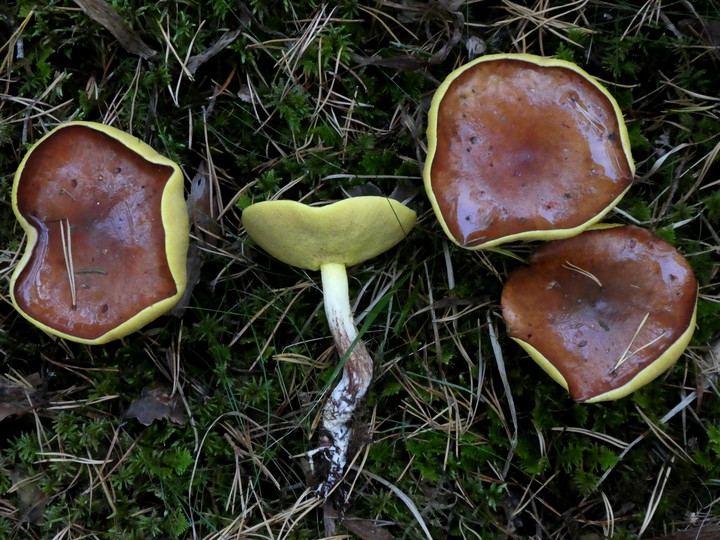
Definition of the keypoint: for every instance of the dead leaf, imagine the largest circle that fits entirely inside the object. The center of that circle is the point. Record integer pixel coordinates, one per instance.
(367, 189)
(414, 62)
(156, 403)
(706, 30)
(197, 60)
(103, 13)
(203, 233)
(19, 396)
(364, 529)
(32, 501)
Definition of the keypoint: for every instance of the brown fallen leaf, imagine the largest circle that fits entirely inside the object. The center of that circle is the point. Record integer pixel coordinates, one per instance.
(364, 529)
(203, 233)
(199, 59)
(103, 13)
(156, 403)
(19, 396)
(412, 62)
(706, 30)
(31, 500)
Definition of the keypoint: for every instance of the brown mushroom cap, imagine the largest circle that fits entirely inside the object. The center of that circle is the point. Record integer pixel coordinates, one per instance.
(107, 233)
(604, 312)
(522, 147)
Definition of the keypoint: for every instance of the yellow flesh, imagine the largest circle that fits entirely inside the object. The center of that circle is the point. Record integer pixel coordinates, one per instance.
(348, 232)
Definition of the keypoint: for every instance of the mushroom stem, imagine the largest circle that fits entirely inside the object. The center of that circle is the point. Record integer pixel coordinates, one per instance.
(356, 376)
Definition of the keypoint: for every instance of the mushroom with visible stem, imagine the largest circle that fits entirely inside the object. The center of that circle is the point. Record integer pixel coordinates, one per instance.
(329, 239)
(604, 312)
(107, 233)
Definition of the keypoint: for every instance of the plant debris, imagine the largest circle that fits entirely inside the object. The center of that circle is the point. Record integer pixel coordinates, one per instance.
(20, 395)
(157, 403)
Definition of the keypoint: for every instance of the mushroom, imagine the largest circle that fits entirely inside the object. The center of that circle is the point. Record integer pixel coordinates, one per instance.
(107, 233)
(604, 312)
(522, 147)
(329, 239)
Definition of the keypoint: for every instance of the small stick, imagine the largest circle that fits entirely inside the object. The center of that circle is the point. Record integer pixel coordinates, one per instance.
(625, 355)
(91, 270)
(570, 266)
(67, 253)
(64, 191)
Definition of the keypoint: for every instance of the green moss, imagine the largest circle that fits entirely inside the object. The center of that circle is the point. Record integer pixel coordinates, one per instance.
(311, 99)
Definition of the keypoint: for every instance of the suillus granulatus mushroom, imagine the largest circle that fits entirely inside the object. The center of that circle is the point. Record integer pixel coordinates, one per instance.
(604, 312)
(329, 239)
(107, 233)
(522, 147)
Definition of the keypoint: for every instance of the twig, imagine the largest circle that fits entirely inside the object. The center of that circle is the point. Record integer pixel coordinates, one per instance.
(67, 253)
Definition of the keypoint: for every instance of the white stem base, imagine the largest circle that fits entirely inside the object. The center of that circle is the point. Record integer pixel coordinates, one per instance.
(356, 376)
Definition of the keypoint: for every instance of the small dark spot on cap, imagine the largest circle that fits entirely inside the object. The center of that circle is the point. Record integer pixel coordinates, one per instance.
(104, 308)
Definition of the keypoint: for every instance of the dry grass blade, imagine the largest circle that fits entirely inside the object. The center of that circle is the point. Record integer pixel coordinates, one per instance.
(497, 350)
(649, 13)
(681, 406)
(522, 503)
(407, 501)
(609, 527)
(656, 496)
(590, 433)
(463, 435)
(66, 240)
(570, 266)
(625, 356)
(14, 42)
(286, 521)
(672, 446)
(544, 16)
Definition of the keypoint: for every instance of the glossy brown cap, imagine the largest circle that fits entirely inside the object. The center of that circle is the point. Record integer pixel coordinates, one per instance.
(107, 230)
(522, 147)
(604, 312)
